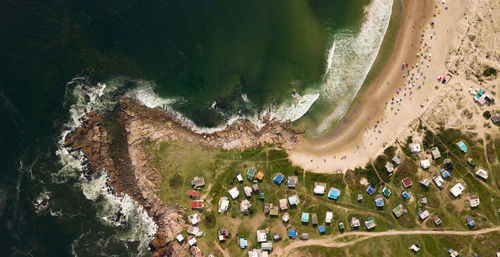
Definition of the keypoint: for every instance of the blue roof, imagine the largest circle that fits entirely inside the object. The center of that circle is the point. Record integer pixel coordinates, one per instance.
(379, 202)
(243, 242)
(371, 189)
(445, 174)
(334, 193)
(471, 222)
(278, 179)
(406, 195)
(291, 233)
(305, 217)
(462, 146)
(321, 229)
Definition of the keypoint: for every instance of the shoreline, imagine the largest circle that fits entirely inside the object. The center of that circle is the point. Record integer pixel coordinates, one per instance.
(349, 136)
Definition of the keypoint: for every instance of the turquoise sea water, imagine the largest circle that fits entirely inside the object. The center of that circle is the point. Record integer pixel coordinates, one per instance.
(212, 58)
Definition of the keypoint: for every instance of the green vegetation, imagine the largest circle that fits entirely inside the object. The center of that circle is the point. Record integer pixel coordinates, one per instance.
(490, 72)
(487, 115)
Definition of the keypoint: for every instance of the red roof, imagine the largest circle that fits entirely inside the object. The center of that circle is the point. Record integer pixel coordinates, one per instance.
(194, 194)
(197, 204)
(406, 182)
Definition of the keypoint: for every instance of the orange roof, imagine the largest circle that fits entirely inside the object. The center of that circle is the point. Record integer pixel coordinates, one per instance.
(260, 175)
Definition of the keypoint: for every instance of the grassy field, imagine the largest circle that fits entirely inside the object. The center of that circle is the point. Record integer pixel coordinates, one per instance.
(180, 162)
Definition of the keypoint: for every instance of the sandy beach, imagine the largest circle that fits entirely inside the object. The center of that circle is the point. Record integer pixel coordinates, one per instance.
(402, 91)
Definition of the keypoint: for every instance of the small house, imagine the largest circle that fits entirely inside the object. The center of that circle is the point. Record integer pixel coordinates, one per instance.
(474, 201)
(292, 181)
(197, 204)
(274, 211)
(223, 234)
(286, 217)
(276, 236)
(198, 182)
(239, 177)
(304, 236)
(414, 248)
(453, 253)
(437, 221)
(243, 243)
(223, 204)
(423, 214)
(415, 148)
(250, 173)
(389, 168)
(314, 219)
(379, 201)
(194, 219)
(245, 206)
(319, 188)
(255, 188)
(386, 191)
(195, 251)
(192, 241)
(370, 223)
(457, 189)
(471, 162)
(355, 223)
(399, 210)
(371, 189)
(234, 193)
(322, 229)
(278, 178)
(267, 208)
(406, 195)
(397, 160)
(248, 191)
(334, 193)
(305, 217)
(194, 194)
(291, 233)
(496, 118)
(406, 182)
(262, 195)
(360, 197)
(261, 236)
(260, 175)
(470, 222)
(438, 180)
(328, 217)
(179, 238)
(461, 145)
(283, 204)
(435, 153)
(425, 164)
(445, 173)
(194, 231)
(293, 200)
(341, 226)
(482, 173)
(423, 200)
(267, 246)
(425, 182)
(448, 165)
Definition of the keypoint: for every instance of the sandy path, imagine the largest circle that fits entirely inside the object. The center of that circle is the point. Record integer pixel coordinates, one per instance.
(355, 138)
(329, 242)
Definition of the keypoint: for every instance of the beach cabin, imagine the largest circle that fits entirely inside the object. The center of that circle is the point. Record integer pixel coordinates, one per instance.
(406, 182)
(286, 217)
(194, 194)
(261, 236)
(371, 189)
(355, 223)
(457, 189)
(198, 182)
(179, 238)
(314, 219)
(319, 188)
(234, 193)
(304, 236)
(399, 210)
(197, 204)
(291, 233)
(445, 173)
(192, 241)
(334, 193)
(262, 196)
(448, 165)
(245, 206)
(435, 153)
(283, 204)
(423, 214)
(406, 195)
(223, 204)
(397, 160)
(473, 201)
(255, 188)
(278, 178)
(250, 173)
(415, 148)
(223, 234)
(305, 218)
(425, 164)
(389, 168)
(461, 145)
(370, 223)
(379, 201)
(243, 243)
(322, 229)
(328, 217)
(292, 181)
(386, 191)
(437, 221)
(276, 237)
(482, 173)
(341, 226)
(438, 180)
(425, 182)
(260, 175)
(470, 222)
(268, 246)
(194, 219)
(293, 200)
(423, 200)
(239, 177)
(248, 191)
(274, 211)
(360, 197)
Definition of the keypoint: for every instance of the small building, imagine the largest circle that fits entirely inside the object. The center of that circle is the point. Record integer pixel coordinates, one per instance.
(406, 182)
(234, 193)
(179, 238)
(399, 210)
(305, 217)
(292, 181)
(437, 221)
(425, 164)
(223, 204)
(370, 223)
(425, 182)
(293, 200)
(197, 204)
(224, 234)
(243, 243)
(473, 201)
(445, 173)
(245, 206)
(379, 201)
(304, 236)
(470, 222)
(415, 148)
(278, 178)
(423, 214)
(360, 197)
(448, 165)
(250, 173)
(389, 168)
(255, 188)
(471, 162)
(355, 223)
(453, 253)
(457, 189)
(397, 160)
(322, 229)
(260, 175)
(291, 233)
(274, 211)
(386, 191)
(286, 217)
(341, 226)
(319, 188)
(438, 180)
(423, 200)
(406, 195)
(198, 182)
(461, 145)
(192, 241)
(267, 208)
(239, 177)
(194, 219)
(248, 191)
(334, 193)
(482, 173)
(496, 118)
(194, 231)
(414, 248)
(314, 219)
(371, 189)
(194, 194)
(261, 236)
(195, 251)
(283, 204)
(276, 236)
(328, 217)
(435, 153)
(267, 246)
(262, 195)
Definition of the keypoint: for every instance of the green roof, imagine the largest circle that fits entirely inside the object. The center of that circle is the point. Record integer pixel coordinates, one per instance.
(250, 173)
(261, 196)
(386, 192)
(399, 210)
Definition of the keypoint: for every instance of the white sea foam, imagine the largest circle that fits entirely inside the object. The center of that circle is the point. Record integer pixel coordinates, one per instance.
(352, 59)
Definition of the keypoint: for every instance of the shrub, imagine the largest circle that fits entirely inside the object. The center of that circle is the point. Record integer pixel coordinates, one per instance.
(487, 114)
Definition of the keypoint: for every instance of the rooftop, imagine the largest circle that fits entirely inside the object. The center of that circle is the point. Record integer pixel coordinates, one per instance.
(334, 193)
(457, 189)
(406, 182)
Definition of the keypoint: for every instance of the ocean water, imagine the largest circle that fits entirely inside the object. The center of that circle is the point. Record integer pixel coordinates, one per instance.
(207, 61)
